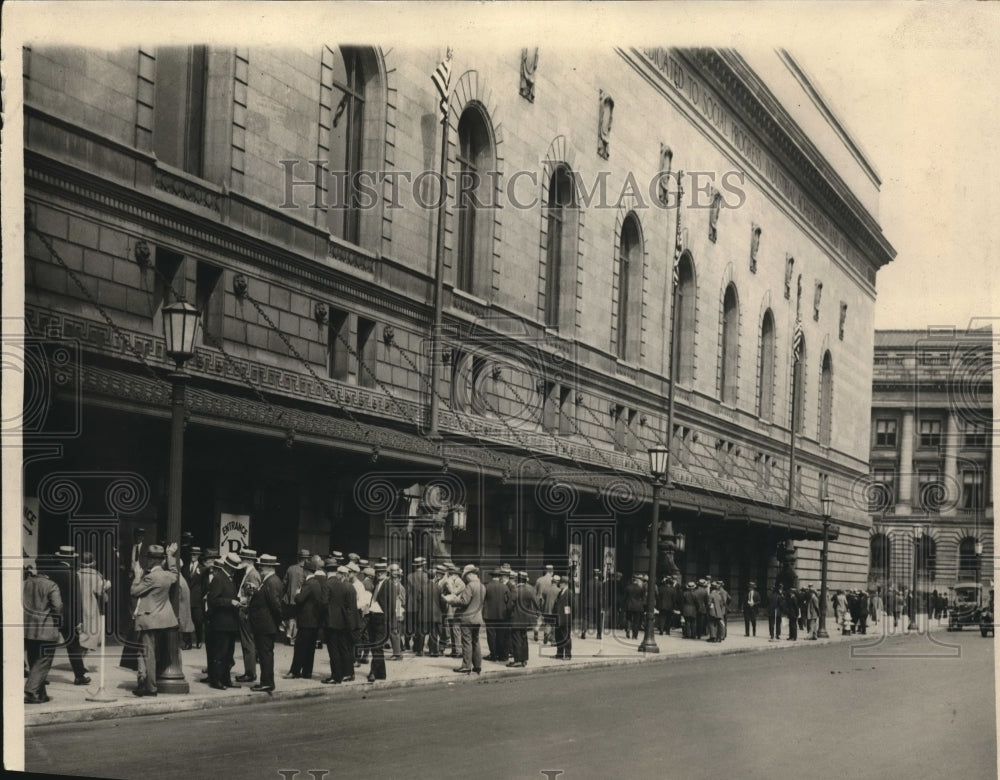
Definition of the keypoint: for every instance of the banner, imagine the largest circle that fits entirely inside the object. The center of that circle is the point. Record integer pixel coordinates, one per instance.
(234, 533)
(29, 531)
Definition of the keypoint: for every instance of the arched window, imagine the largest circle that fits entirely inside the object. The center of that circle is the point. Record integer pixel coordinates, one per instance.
(475, 165)
(967, 559)
(560, 219)
(798, 390)
(687, 295)
(729, 352)
(826, 400)
(347, 124)
(881, 555)
(629, 291)
(765, 389)
(926, 557)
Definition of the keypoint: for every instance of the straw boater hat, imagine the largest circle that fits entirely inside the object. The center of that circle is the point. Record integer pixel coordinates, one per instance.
(268, 560)
(304, 553)
(419, 561)
(248, 554)
(66, 551)
(352, 566)
(470, 568)
(230, 559)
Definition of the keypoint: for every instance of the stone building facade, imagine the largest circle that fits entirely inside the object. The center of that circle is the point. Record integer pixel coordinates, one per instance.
(214, 175)
(932, 457)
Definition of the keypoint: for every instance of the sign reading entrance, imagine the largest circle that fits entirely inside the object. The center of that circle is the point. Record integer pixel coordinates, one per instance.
(234, 533)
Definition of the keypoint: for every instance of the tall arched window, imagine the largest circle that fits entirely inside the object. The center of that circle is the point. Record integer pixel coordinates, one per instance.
(881, 552)
(561, 231)
(347, 135)
(798, 389)
(475, 164)
(765, 388)
(729, 352)
(826, 400)
(967, 559)
(686, 294)
(629, 292)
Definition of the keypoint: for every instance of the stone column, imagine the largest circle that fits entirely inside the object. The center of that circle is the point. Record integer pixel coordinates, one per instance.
(952, 488)
(904, 497)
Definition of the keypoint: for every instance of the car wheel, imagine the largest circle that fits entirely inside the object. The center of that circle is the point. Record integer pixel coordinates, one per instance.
(984, 632)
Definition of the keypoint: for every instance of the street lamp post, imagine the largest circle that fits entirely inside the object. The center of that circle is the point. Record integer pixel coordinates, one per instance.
(658, 470)
(827, 511)
(979, 572)
(180, 328)
(918, 533)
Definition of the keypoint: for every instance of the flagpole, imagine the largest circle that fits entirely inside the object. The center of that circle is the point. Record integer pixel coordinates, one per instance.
(436, 356)
(796, 371)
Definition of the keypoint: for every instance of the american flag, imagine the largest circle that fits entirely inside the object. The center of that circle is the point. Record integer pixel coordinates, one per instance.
(442, 81)
(798, 337)
(678, 241)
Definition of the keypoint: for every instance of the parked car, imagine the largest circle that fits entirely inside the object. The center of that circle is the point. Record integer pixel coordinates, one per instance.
(986, 626)
(965, 606)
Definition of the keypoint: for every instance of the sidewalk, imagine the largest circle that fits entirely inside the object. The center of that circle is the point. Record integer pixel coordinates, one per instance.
(68, 702)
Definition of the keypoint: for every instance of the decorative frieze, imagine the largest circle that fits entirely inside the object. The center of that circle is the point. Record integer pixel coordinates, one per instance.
(188, 190)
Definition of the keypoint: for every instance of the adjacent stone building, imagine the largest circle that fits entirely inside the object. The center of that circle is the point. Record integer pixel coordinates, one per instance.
(291, 195)
(932, 458)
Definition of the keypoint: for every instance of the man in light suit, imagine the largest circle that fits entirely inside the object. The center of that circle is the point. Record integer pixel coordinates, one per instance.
(295, 575)
(248, 586)
(469, 612)
(153, 613)
(42, 612)
(751, 603)
(542, 584)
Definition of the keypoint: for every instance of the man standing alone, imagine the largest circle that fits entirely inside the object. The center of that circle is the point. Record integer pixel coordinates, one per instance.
(751, 602)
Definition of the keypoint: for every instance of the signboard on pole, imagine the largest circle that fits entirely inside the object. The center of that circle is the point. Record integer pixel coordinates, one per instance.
(234, 533)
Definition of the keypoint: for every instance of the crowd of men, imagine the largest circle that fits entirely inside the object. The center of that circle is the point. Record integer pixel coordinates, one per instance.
(359, 610)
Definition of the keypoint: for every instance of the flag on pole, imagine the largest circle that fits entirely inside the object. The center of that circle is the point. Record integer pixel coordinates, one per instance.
(442, 81)
(798, 337)
(678, 241)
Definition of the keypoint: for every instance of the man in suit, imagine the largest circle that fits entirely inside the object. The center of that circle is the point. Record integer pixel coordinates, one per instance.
(153, 613)
(452, 585)
(542, 587)
(811, 608)
(564, 619)
(469, 612)
(295, 575)
(774, 612)
(791, 608)
(42, 612)
(64, 575)
(225, 622)
(193, 572)
(751, 603)
(495, 610)
(430, 611)
(634, 606)
(263, 613)
(716, 606)
(416, 621)
(249, 584)
(689, 611)
(207, 575)
(310, 608)
(380, 604)
(341, 623)
(594, 605)
(701, 594)
(523, 616)
(666, 604)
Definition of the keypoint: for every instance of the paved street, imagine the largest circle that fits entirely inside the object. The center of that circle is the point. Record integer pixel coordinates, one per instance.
(908, 707)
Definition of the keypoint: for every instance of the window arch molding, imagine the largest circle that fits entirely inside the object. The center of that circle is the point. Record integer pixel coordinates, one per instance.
(824, 428)
(687, 319)
(730, 332)
(628, 286)
(560, 314)
(767, 339)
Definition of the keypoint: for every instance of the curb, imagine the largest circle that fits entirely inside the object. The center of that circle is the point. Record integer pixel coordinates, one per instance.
(172, 705)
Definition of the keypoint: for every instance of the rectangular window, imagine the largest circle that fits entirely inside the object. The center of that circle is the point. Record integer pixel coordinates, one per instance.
(930, 491)
(179, 107)
(367, 352)
(798, 480)
(209, 294)
(823, 486)
(550, 407)
(621, 425)
(882, 496)
(567, 411)
(930, 433)
(885, 433)
(975, 435)
(972, 489)
(338, 339)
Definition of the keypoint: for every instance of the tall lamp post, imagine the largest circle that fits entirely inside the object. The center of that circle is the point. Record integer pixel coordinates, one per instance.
(979, 572)
(180, 328)
(918, 533)
(827, 512)
(658, 470)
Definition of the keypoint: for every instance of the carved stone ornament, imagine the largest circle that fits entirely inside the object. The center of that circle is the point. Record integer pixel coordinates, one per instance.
(789, 269)
(713, 217)
(529, 64)
(321, 313)
(817, 295)
(607, 110)
(141, 253)
(663, 183)
(843, 318)
(240, 285)
(754, 246)
(388, 335)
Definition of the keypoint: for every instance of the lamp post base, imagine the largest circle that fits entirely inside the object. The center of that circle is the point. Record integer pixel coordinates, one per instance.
(648, 646)
(821, 634)
(171, 679)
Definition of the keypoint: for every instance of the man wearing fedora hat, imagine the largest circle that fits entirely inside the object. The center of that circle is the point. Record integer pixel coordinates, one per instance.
(193, 572)
(249, 584)
(341, 623)
(311, 604)
(42, 611)
(224, 607)
(564, 619)
(469, 612)
(264, 616)
(64, 574)
(154, 614)
(295, 575)
(416, 621)
(523, 616)
(379, 608)
(751, 603)
(207, 575)
(452, 585)
(689, 611)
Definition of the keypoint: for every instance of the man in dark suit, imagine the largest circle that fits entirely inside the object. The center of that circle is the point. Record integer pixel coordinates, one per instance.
(525, 613)
(634, 606)
(63, 573)
(193, 573)
(564, 620)
(417, 607)
(264, 616)
(689, 611)
(701, 595)
(751, 603)
(495, 610)
(791, 608)
(774, 610)
(666, 604)
(311, 606)
(341, 623)
(207, 575)
(224, 607)
(382, 601)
